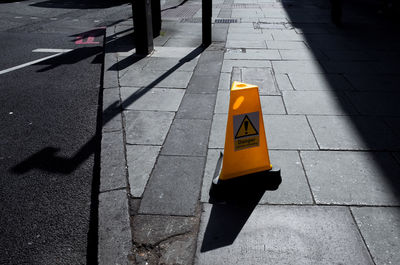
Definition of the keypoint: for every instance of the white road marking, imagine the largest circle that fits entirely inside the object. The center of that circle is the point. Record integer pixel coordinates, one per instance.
(35, 61)
(52, 50)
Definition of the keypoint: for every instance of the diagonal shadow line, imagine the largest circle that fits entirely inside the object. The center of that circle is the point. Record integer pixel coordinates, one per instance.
(47, 159)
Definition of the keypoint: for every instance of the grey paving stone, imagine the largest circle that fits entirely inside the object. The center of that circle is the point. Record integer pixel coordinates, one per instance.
(152, 78)
(219, 32)
(141, 160)
(147, 127)
(229, 64)
(222, 103)
(274, 13)
(218, 131)
(210, 62)
(286, 45)
(110, 79)
(111, 99)
(279, 235)
(114, 229)
(374, 82)
(256, 44)
(159, 99)
(112, 172)
(249, 37)
(250, 13)
(304, 67)
(187, 137)
(272, 105)
(293, 189)
(374, 103)
(197, 106)
(178, 251)
(160, 63)
(352, 178)
(181, 41)
(288, 132)
(153, 229)
(353, 133)
(112, 121)
(174, 186)
(380, 228)
(289, 35)
(251, 54)
(283, 82)
(302, 55)
(201, 83)
(316, 102)
(319, 82)
(261, 77)
(224, 81)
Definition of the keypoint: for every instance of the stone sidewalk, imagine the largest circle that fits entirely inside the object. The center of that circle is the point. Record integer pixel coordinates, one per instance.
(329, 100)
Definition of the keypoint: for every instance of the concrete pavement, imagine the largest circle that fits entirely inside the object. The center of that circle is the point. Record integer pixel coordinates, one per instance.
(329, 102)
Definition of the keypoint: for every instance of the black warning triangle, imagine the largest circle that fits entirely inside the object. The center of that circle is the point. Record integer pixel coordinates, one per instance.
(246, 128)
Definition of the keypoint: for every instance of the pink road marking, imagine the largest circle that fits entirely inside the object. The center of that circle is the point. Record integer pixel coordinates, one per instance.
(90, 40)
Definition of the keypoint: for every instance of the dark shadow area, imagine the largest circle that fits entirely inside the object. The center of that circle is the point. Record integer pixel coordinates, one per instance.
(47, 159)
(233, 202)
(360, 63)
(88, 4)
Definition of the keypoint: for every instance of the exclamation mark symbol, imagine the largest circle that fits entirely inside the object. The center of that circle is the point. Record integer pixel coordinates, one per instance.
(246, 125)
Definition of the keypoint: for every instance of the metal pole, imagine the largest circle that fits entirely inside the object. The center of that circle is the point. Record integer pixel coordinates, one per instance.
(206, 21)
(141, 10)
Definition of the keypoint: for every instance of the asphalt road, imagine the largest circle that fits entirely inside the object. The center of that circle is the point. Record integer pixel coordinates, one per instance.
(48, 118)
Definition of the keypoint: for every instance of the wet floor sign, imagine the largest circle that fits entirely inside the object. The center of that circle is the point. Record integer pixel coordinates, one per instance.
(245, 150)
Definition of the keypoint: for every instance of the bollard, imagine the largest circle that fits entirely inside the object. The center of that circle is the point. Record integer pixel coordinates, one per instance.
(142, 20)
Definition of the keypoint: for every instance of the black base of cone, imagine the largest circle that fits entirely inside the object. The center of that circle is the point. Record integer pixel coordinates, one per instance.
(244, 187)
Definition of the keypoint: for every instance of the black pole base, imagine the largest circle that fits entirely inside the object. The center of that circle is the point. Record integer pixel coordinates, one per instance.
(244, 188)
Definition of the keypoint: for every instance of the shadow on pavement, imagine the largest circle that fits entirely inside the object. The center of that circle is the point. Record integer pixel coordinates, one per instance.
(364, 55)
(88, 4)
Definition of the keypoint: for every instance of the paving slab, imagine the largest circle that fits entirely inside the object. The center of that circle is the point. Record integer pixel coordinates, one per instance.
(293, 189)
(286, 45)
(222, 103)
(153, 229)
(261, 77)
(279, 235)
(353, 133)
(201, 83)
(210, 62)
(196, 106)
(229, 64)
(152, 78)
(187, 137)
(272, 105)
(160, 99)
(224, 81)
(112, 172)
(374, 103)
(289, 132)
(256, 44)
(249, 37)
(290, 35)
(174, 186)
(380, 227)
(317, 102)
(302, 55)
(147, 127)
(283, 82)
(178, 251)
(218, 131)
(352, 178)
(183, 41)
(303, 67)
(141, 160)
(114, 229)
(251, 54)
(319, 82)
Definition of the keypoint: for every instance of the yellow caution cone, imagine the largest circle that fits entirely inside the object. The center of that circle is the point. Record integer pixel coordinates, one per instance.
(245, 159)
